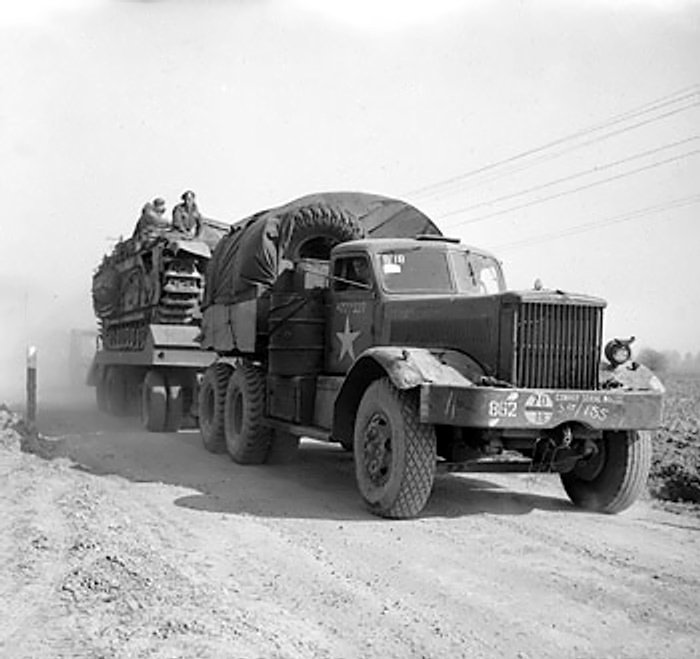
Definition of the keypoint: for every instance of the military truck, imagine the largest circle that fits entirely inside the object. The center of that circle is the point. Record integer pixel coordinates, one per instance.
(349, 318)
(147, 297)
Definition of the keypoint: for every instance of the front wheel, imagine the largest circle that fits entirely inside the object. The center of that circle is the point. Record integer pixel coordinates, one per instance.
(614, 476)
(394, 452)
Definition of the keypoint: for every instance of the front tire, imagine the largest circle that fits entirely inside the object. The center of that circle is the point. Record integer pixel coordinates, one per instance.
(394, 452)
(611, 480)
(247, 439)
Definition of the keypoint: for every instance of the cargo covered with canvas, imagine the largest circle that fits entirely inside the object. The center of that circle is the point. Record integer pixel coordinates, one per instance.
(247, 262)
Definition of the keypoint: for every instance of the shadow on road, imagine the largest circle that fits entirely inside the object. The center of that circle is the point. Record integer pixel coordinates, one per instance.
(320, 483)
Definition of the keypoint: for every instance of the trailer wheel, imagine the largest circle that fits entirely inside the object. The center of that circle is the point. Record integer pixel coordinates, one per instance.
(101, 393)
(284, 448)
(611, 480)
(394, 453)
(247, 439)
(174, 408)
(154, 402)
(117, 391)
(212, 405)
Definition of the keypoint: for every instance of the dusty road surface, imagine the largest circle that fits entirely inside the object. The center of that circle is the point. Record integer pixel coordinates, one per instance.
(144, 545)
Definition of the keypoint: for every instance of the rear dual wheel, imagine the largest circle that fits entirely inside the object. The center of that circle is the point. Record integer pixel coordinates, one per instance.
(212, 403)
(116, 394)
(247, 437)
(161, 403)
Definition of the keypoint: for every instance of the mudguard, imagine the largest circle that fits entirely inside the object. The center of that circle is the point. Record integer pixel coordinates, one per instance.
(407, 368)
(629, 376)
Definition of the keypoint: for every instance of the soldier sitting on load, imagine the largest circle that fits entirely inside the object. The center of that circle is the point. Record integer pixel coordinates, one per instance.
(152, 221)
(186, 215)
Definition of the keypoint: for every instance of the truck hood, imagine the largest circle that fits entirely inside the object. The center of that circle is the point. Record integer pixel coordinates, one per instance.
(481, 327)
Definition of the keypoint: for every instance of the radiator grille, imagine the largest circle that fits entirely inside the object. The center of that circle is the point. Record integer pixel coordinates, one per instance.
(557, 345)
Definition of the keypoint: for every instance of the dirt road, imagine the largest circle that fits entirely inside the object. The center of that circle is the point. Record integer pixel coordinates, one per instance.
(143, 545)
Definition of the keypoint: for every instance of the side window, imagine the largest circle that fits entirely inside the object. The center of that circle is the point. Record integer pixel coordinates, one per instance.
(352, 273)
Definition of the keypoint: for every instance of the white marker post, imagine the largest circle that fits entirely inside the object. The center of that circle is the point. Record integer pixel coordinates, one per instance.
(31, 386)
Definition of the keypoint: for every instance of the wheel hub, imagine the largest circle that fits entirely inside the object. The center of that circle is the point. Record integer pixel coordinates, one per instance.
(377, 449)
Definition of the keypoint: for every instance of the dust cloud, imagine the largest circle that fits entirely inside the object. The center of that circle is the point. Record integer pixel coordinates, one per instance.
(32, 313)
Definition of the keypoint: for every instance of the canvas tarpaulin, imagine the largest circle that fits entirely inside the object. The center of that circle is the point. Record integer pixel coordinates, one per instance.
(247, 260)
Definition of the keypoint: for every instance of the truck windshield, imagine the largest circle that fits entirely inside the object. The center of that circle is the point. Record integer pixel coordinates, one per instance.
(419, 270)
(415, 271)
(477, 274)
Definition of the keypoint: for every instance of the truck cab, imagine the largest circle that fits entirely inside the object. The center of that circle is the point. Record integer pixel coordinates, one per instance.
(413, 354)
(383, 289)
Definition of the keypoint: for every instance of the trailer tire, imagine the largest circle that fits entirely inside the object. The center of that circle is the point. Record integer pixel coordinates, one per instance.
(174, 408)
(212, 405)
(154, 402)
(395, 454)
(117, 391)
(317, 229)
(247, 439)
(611, 480)
(101, 393)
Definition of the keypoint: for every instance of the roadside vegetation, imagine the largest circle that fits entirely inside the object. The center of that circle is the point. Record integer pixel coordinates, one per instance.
(675, 471)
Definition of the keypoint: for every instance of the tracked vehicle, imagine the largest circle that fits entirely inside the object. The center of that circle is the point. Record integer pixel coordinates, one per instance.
(369, 329)
(147, 297)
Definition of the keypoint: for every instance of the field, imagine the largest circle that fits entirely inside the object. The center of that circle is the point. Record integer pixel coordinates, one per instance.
(675, 473)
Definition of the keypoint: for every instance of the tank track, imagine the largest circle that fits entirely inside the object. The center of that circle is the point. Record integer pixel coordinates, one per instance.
(148, 287)
(181, 294)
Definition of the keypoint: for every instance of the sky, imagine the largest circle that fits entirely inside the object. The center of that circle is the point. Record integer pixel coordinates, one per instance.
(105, 104)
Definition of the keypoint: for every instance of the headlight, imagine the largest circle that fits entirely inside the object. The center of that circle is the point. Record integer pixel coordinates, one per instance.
(618, 351)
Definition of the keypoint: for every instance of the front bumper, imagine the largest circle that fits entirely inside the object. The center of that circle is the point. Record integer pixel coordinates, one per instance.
(488, 407)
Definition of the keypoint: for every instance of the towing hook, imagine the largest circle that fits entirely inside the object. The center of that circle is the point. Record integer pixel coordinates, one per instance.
(567, 437)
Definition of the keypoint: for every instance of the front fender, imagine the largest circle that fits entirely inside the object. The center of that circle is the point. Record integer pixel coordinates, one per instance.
(629, 376)
(407, 368)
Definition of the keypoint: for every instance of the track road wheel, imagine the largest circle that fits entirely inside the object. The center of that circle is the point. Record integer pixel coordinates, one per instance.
(154, 402)
(611, 480)
(117, 393)
(212, 404)
(247, 439)
(394, 453)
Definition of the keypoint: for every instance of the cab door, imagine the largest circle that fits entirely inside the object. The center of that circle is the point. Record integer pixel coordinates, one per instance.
(351, 309)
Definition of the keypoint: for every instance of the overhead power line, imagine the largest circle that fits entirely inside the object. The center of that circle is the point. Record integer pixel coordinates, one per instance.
(551, 156)
(590, 226)
(557, 195)
(689, 97)
(570, 177)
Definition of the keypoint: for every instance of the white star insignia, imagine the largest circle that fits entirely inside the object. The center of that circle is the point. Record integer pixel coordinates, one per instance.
(347, 338)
